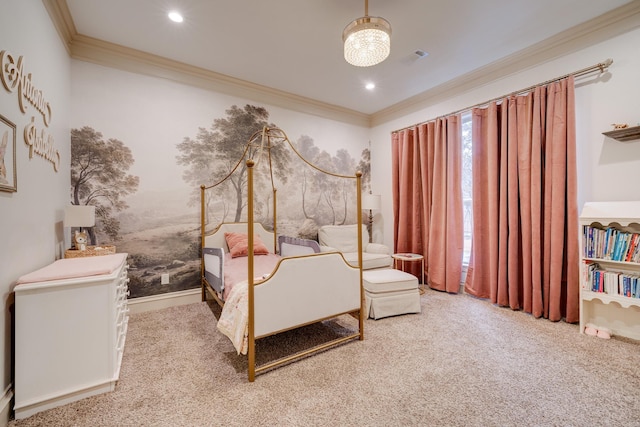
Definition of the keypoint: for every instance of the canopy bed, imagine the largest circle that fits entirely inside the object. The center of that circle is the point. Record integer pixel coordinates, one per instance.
(265, 288)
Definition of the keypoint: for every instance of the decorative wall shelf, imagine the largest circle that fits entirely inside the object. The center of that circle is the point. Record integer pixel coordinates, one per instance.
(625, 134)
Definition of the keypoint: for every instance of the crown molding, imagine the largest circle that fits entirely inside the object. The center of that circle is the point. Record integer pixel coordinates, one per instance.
(84, 48)
(61, 17)
(112, 55)
(609, 25)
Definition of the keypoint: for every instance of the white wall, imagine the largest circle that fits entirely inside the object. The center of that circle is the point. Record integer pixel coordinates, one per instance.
(607, 169)
(31, 227)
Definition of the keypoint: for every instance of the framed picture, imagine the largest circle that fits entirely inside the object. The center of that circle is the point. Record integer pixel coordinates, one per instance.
(7, 155)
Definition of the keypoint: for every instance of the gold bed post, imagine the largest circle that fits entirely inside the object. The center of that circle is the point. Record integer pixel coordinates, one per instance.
(251, 350)
(359, 210)
(275, 223)
(274, 190)
(202, 232)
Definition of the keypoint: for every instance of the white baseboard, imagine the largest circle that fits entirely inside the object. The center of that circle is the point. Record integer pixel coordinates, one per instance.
(43, 402)
(157, 302)
(5, 405)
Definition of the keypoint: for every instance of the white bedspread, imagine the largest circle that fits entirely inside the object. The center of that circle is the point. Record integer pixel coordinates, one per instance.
(234, 320)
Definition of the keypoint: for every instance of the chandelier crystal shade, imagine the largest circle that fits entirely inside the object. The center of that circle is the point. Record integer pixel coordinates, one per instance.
(367, 40)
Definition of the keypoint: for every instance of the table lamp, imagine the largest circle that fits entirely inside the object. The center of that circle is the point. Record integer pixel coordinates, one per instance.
(79, 216)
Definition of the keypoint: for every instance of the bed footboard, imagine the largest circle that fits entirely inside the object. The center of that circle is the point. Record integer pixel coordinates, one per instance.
(306, 289)
(303, 290)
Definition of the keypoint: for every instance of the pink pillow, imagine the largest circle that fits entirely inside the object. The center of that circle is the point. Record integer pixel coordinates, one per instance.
(238, 244)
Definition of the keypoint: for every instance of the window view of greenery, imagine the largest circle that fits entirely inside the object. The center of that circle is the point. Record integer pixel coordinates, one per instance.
(467, 185)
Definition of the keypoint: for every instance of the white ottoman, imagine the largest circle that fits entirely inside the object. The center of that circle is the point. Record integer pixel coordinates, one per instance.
(390, 292)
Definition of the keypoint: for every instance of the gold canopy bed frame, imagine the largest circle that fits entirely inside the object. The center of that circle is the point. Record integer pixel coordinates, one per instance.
(294, 294)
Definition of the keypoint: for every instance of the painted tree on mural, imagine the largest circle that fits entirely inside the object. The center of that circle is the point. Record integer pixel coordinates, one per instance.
(215, 156)
(216, 152)
(364, 166)
(308, 151)
(327, 199)
(99, 177)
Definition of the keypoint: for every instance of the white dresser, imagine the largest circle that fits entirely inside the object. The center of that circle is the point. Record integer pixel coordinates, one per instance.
(70, 329)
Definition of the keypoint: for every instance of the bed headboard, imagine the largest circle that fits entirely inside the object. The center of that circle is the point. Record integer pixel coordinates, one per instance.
(216, 238)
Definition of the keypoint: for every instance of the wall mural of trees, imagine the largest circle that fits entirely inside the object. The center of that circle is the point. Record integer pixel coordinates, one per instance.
(160, 243)
(99, 177)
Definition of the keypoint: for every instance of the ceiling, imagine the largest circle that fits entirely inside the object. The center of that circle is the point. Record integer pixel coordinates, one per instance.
(295, 46)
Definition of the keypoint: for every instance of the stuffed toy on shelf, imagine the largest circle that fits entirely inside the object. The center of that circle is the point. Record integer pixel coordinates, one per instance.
(80, 240)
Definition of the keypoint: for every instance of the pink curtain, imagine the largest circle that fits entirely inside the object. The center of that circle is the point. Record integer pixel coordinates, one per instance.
(427, 199)
(525, 233)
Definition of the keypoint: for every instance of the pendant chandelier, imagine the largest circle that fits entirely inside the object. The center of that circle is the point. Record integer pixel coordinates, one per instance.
(367, 40)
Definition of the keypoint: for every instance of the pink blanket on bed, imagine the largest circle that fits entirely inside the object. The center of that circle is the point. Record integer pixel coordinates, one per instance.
(235, 269)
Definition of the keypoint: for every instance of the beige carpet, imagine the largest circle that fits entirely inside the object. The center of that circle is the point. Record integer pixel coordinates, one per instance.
(462, 362)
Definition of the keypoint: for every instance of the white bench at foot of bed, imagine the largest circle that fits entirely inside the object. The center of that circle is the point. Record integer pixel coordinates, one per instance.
(390, 292)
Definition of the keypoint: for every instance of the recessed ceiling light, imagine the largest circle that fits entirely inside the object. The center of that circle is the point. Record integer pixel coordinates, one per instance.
(370, 86)
(175, 16)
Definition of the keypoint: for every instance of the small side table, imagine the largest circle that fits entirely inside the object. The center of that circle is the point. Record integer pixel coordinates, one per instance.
(90, 251)
(408, 257)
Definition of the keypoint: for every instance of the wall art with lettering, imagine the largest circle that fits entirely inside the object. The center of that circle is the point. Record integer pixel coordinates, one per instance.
(15, 78)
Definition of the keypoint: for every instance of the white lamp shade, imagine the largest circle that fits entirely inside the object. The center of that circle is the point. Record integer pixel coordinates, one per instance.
(371, 201)
(79, 216)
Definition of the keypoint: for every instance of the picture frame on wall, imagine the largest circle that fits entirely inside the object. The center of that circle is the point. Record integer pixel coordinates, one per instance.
(8, 175)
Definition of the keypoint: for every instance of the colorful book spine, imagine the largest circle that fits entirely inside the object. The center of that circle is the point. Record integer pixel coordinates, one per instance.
(632, 246)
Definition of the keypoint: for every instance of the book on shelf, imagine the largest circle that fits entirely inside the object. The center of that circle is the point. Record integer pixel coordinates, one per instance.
(632, 247)
(636, 253)
(587, 270)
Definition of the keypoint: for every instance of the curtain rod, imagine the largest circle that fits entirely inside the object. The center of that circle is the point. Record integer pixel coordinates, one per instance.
(602, 66)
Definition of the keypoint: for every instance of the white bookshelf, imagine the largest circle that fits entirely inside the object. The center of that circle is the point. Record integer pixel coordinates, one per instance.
(607, 308)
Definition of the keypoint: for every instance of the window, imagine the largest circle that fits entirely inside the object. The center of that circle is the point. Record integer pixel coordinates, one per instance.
(467, 185)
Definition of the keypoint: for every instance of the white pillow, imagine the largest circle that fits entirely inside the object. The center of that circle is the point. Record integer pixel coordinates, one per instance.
(342, 237)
